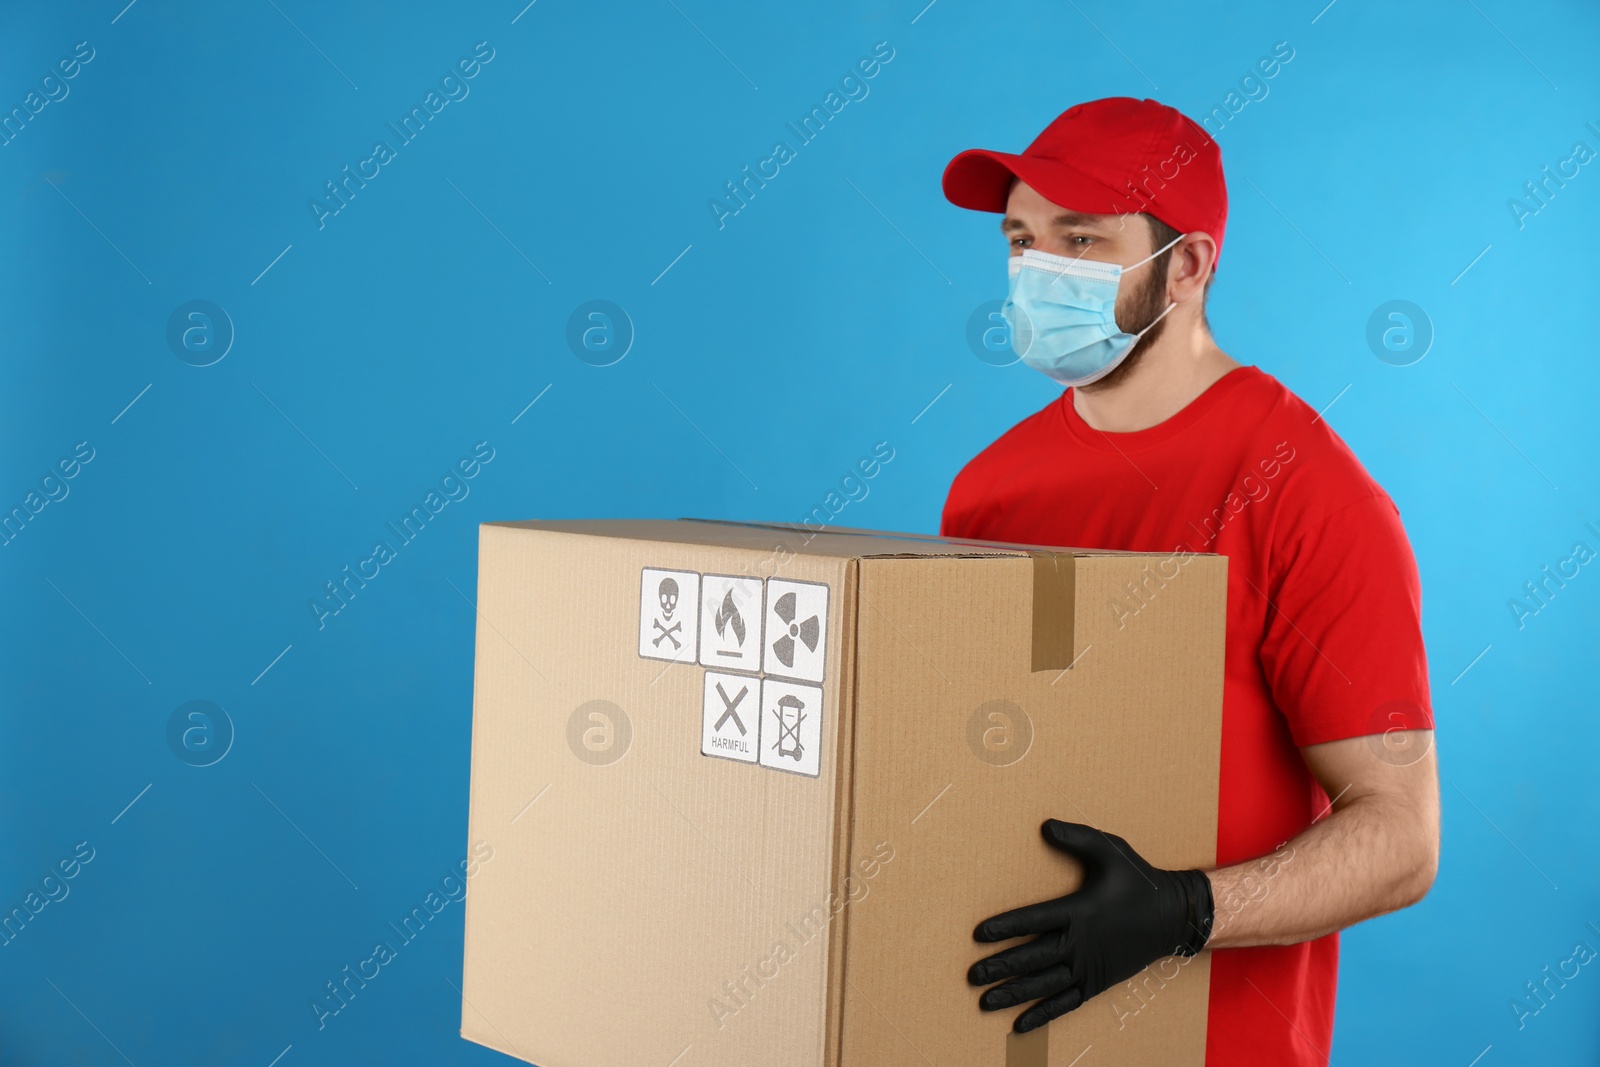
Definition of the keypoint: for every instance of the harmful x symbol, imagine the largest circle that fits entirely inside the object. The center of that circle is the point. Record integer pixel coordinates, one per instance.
(728, 706)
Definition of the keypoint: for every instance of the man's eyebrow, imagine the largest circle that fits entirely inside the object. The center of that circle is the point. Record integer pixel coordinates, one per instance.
(1066, 218)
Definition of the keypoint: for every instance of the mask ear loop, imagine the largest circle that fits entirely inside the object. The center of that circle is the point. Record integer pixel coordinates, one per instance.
(1143, 261)
(1155, 320)
(1154, 254)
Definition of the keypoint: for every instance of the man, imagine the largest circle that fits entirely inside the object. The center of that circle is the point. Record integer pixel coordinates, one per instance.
(1328, 804)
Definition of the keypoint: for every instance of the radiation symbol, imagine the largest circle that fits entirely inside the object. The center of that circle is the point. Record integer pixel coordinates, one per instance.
(806, 631)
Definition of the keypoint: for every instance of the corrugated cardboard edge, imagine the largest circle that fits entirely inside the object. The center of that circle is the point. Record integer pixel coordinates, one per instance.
(844, 821)
(477, 674)
(476, 1027)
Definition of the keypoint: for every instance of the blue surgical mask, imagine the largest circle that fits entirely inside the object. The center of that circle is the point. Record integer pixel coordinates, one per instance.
(1062, 314)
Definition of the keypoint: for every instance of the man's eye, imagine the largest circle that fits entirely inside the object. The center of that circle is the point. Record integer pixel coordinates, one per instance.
(1077, 237)
(1020, 242)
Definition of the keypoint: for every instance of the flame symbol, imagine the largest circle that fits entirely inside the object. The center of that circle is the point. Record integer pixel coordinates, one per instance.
(728, 615)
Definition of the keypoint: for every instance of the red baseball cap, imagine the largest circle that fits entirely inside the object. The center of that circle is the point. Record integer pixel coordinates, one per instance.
(1107, 157)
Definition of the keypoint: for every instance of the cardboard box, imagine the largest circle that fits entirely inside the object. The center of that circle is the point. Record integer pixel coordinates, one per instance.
(749, 788)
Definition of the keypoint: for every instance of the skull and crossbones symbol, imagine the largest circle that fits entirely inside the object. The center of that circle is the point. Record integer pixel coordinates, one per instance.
(668, 595)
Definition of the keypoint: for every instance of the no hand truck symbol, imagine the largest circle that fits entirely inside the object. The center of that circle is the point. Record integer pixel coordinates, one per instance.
(791, 713)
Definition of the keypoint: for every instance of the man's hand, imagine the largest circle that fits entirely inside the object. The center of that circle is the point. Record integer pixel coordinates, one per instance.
(1125, 916)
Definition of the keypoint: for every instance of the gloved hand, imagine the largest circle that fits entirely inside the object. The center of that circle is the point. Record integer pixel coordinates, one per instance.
(1125, 916)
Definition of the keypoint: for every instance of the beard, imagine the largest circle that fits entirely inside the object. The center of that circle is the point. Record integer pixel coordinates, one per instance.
(1142, 307)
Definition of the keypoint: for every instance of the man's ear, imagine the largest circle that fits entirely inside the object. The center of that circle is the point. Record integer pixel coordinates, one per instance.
(1193, 263)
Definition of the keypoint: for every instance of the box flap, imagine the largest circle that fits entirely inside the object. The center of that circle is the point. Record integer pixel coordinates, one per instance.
(786, 539)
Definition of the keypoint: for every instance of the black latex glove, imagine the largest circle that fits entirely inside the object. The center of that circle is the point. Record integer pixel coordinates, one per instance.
(1125, 916)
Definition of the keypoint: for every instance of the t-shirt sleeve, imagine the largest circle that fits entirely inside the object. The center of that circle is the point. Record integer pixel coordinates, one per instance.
(1342, 649)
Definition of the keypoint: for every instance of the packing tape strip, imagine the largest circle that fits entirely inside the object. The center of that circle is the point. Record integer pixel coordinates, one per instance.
(1055, 603)
(1031, 1049)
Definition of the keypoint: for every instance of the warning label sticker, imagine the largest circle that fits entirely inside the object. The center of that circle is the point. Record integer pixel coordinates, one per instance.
(731, 722)
(730, 622)
(669, 603)
(796, 643)
(791, 727)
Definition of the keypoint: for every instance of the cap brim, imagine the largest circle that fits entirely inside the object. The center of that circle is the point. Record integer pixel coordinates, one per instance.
(980, 180)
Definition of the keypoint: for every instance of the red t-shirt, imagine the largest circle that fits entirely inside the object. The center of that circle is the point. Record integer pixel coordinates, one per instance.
(1324, 637)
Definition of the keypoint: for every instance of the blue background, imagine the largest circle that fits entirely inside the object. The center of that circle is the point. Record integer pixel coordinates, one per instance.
(768, 356)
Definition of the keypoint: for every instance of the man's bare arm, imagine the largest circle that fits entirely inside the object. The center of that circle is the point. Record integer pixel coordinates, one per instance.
(1377, 850)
